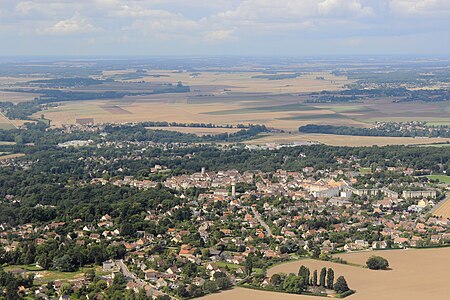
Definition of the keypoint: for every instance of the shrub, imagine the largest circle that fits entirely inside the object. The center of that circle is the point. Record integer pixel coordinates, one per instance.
(377, 263)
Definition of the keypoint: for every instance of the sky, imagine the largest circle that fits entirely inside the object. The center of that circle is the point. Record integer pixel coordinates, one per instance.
(223, 27)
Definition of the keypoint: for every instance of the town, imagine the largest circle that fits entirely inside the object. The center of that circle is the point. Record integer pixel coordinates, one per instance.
(184, 235)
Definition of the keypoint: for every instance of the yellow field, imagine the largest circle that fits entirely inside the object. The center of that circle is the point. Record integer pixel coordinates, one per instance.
(200, 131)
(16, 97)
(175, 108)
(245, 81)
(415, 275)
(444, 209)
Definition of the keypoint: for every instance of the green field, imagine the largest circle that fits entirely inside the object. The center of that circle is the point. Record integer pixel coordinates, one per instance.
(365, 170)
(48, 275)
(436, 145)
(441, 178)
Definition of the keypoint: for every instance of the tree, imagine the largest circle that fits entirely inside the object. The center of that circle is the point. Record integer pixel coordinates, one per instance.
(276, 280)
(341, 285)
(294, 284)
(304, 273)
(182, 292)
(210, 287)
(323, 275)
(377, 263)
(330, 278)
(223, 283)
(90, 274)
(249, 265)
(66, 289)
(314, 278)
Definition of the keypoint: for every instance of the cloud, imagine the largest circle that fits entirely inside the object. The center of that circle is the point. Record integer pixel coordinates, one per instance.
(75, 25)
(420, 7)
(344, 8)
(218, 35)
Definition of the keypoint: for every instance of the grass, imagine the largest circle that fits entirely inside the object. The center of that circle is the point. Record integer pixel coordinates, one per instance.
(48, 275)
(436, 145)
(31, 268)
(441, 178)
(365, 170)
(234, 266)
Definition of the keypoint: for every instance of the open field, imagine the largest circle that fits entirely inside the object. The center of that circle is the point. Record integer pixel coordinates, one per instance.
(11, 156)
(341, 140)
(241, 97)
(200, 131)
(48, 275)
(415, 275)
(16, 97)
(246, 81)
(442, 209)
(174, 108)
(441, 178)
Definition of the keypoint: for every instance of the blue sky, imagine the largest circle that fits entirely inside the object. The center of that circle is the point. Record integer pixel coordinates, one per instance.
(221, 27)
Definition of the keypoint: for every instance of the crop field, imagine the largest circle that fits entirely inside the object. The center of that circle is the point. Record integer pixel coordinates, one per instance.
(415, 275)
(340, 140)
(246, 81)
(277, 100)
(16, 97)
(442, 209)
(200, 131)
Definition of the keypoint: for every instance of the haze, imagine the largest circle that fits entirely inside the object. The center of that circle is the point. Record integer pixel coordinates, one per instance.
(223, 27)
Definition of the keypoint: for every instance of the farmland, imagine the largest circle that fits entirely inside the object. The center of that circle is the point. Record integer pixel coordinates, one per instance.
(281, 96)
(415, 274)
(443, 208)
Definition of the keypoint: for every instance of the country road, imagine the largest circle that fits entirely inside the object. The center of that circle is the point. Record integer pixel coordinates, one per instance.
(261, 221)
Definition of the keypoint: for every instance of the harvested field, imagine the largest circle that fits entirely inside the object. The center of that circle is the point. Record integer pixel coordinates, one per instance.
(341, 140)
(415, 275)
(200, 131)
(11, 156)
(246, 81)
(115, 110)
(16, 97)
(231, 98)
(443, 208)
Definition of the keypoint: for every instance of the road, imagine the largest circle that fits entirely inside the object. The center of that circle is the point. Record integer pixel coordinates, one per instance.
(130, 275)
(125, 270)
(261, 221)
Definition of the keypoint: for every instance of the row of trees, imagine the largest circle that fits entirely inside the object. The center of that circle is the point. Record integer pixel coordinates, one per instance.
(299, 283)
(426, 131)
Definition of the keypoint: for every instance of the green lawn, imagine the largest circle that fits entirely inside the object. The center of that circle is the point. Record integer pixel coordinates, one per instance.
(233, 266)
(441, 178)
(32, 268)
(365, 170)
(48, 275)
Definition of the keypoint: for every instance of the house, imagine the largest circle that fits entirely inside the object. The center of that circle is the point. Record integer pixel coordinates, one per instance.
(151, 274)
(109, 265)
(379, 245)
(160, 283)
(198, 281)
(173, 270)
